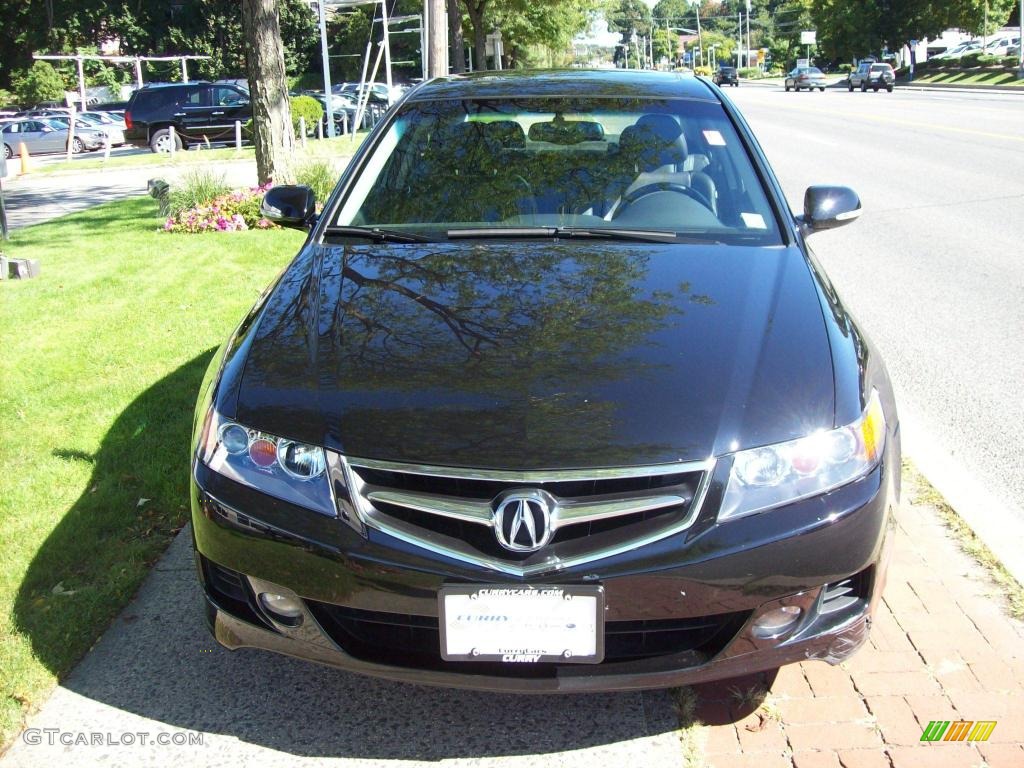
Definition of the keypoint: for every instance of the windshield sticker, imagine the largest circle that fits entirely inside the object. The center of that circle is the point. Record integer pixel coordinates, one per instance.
(754, 220)
(714, 138)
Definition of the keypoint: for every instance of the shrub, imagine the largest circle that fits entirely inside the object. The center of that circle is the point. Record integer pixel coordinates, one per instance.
(706, 71)
(40, 82)
(197, 187)
(988, 60)
(750, 73)
(845, 68)
(309, 108)
(320, 176)
(230, 212)
(1009, 61)
(970, 59)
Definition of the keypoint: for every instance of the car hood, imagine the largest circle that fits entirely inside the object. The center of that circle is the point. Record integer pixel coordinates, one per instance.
(539, 354)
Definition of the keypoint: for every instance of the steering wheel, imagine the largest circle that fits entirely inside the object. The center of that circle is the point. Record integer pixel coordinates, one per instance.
(650, 189)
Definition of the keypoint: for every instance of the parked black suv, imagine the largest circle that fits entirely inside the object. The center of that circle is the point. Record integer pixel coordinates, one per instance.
(200, 112)
(727, 76)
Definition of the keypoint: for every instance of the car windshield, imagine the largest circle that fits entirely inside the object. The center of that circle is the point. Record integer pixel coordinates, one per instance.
(675, 166)
(880, 67)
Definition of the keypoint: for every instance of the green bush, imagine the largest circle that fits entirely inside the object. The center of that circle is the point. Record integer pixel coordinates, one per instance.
(318, 175)
(197, 187)
(750, 73)
(845, 68)
(309, 108)
(1010, 61)
(706, 71)
(988, 60)
(971, 59)
(40, 82)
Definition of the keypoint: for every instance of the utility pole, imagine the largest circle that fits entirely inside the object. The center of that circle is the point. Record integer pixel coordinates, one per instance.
(387, 46)
(700, 37)
(739, 38)
(328, 96)
(748, 33)
(1020, 52)
(437, 37)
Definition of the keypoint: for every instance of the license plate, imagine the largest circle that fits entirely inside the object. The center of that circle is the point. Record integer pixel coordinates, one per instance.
(522, 624)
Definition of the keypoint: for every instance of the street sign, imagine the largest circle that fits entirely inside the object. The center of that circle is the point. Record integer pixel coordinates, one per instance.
(809, 37)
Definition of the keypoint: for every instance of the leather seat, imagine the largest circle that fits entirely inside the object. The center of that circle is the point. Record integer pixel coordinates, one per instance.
(657, 149)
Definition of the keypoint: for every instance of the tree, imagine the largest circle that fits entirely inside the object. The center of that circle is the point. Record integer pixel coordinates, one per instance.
(38, 83)
(632, 18)
(268, 89)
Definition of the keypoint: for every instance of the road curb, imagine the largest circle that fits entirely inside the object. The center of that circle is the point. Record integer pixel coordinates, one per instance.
(996, 525)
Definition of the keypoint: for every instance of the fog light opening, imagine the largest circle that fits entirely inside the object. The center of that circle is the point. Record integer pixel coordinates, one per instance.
(777, 622)
(282, 609)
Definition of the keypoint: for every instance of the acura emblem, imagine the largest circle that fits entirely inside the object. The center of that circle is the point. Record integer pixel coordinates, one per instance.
(522, 521)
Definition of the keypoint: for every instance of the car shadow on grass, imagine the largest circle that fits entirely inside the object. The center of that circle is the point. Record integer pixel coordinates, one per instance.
(157, 660)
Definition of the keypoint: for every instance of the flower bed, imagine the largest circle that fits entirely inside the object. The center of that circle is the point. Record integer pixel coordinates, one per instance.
(232, 212)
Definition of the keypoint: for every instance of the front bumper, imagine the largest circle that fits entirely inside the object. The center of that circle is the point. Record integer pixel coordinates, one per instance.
(727, 575)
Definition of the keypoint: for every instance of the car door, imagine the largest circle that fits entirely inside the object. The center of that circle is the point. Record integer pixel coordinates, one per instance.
(192, 114)
(228, 104)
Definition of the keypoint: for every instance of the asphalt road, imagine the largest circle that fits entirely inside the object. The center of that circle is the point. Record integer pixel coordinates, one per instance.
(934, 268)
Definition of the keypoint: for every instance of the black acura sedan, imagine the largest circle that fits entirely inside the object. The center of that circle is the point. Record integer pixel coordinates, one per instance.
(555, 397)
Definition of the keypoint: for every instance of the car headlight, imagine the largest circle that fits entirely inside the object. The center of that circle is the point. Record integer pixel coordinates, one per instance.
(772, 475)
(292, 471)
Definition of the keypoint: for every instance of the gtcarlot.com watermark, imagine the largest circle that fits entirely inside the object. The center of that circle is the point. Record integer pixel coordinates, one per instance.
(56, 736)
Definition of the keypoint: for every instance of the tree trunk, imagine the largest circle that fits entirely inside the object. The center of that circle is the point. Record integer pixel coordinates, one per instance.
(273, 136)
(476, 18)
(457, 46)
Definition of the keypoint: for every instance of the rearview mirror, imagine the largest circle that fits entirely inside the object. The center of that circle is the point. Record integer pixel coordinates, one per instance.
(827, 207)
(289, 206)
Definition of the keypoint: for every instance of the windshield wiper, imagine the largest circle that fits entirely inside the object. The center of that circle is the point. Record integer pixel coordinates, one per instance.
(376, 234)
(609, 233)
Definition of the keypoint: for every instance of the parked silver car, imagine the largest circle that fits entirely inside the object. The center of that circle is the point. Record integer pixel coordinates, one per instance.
(40, 135)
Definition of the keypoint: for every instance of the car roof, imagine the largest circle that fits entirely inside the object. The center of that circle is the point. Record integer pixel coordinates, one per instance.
(573, 82)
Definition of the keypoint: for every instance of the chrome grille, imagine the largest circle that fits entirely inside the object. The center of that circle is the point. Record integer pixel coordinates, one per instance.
(594, 513)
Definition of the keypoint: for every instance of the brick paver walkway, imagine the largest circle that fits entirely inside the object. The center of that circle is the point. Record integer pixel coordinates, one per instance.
(942, 648)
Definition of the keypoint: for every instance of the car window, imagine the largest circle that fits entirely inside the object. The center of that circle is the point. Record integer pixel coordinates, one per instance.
(228, 97)
(667, 164)
(197, 97)
(880, 67)
(814, 71)
(12, 128)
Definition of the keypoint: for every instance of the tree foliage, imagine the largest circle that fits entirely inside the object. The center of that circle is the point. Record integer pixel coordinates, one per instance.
(855, 28)
(40, 82)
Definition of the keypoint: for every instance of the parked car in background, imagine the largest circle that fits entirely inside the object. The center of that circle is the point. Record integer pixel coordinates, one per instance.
(41, 135)
(960, 50)
(105, 118)
(86, 120)
(1001, 46)
(726, 76)
(199, 112)
(110, 107)
(805, 77)
(553, 398)
(873, 75)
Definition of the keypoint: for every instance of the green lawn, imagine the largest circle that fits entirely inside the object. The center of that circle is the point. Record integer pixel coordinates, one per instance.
(342, 146)
(977, 76)
(102, 357)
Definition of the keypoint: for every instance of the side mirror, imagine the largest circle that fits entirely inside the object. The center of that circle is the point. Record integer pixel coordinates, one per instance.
(829, 207)
(289, 206)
